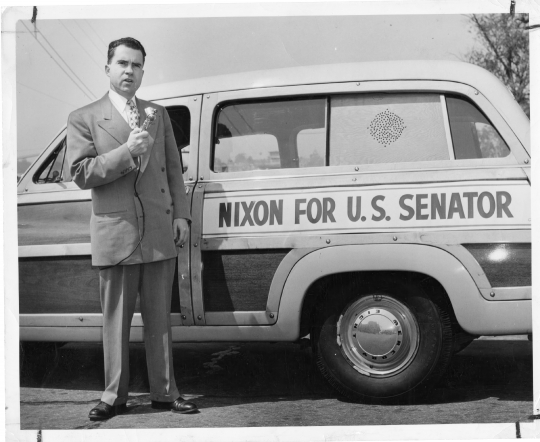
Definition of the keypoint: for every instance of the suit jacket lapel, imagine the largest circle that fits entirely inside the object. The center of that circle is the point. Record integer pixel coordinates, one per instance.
(113, 123)
(152, 129)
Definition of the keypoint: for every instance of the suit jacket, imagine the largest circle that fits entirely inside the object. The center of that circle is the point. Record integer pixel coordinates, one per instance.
(99, 159)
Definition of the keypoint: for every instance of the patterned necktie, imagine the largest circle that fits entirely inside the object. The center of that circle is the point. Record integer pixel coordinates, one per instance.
(133, 114)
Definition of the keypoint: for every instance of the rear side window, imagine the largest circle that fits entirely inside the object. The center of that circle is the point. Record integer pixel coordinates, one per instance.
(270, 135)
(473, 136)
(387, 128)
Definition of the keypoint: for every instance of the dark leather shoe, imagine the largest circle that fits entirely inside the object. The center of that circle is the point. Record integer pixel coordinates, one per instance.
(103, 411)
(178, 406)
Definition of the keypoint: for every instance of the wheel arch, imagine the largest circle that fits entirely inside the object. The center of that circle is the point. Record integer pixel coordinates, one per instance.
(473, 313)
(318, 292)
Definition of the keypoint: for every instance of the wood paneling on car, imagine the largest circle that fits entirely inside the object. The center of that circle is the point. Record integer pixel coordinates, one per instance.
(505, 264)
(57, 285)
(54, 223)
(239, 280)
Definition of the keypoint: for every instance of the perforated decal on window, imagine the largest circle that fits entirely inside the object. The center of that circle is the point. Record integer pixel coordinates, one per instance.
(386, 127)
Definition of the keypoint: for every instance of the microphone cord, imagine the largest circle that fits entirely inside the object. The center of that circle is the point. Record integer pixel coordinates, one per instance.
(143, 218)
(150, 117)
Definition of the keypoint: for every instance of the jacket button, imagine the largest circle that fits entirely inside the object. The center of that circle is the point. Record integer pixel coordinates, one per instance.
(162, 190)
(163, 169)
(168, 211)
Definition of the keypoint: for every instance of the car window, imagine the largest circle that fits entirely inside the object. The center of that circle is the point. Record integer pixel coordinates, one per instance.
(181, 124)
(270, 135)
(311, 145)
(387, 128)
(351, 129)
(473, 136)
(54, 169)
(250, 152)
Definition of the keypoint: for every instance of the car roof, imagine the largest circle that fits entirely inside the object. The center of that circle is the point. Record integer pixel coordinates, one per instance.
(439, 70)
(327, 73)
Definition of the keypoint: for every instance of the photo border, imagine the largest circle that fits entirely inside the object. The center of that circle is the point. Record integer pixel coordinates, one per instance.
(9, 276)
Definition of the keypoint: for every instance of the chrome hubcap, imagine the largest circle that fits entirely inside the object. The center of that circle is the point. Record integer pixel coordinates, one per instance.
(378, 335)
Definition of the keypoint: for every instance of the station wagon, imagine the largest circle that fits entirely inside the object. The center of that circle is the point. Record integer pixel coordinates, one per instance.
(380, 209)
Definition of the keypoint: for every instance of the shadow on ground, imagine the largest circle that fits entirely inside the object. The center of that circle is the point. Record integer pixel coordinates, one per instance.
(255, 384)
(250, 370)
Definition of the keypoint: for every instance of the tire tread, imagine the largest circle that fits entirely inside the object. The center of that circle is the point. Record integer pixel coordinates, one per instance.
(416, 392)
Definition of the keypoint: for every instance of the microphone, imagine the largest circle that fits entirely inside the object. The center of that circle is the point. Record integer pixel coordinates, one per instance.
(150, 117)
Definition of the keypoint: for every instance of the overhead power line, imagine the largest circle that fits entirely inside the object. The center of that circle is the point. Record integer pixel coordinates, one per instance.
(47, 95)
(91, 96)
(90, 39)
(97, 35)
(82, 46)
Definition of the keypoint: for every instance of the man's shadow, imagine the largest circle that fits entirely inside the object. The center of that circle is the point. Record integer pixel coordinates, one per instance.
(223, 374)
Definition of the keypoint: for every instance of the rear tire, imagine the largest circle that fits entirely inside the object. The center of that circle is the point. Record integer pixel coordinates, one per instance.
(386, 343)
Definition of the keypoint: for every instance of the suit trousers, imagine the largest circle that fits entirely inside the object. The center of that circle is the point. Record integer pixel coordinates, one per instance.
(119, 286)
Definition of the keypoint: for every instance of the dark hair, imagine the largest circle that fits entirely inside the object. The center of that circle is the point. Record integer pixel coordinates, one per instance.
(126, 41)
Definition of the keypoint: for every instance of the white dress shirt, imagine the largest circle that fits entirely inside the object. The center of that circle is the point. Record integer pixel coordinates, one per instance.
(120, 103)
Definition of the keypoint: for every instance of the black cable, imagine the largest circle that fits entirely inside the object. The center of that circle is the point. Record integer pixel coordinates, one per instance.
(150, 117)
(47, 95)
(143, 218)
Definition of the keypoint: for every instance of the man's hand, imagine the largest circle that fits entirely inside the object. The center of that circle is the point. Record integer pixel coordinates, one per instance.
(138, 142)
(181, 231)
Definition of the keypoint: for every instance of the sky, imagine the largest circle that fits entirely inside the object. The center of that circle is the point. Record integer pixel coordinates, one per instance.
(60, 63)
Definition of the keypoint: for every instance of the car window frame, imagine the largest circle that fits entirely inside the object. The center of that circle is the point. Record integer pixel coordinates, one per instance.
(49, 162)
(214, 101)
(489, 123)
(27, 185)
(224, 104)
(193, 103)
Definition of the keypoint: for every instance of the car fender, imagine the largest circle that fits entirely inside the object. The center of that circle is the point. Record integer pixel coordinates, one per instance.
(474, 314)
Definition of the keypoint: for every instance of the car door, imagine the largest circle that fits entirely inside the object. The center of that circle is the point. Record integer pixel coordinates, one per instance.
(185, 114)
(284, 170)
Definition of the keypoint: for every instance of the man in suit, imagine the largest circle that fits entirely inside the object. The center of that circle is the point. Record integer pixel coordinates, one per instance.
(140, 214)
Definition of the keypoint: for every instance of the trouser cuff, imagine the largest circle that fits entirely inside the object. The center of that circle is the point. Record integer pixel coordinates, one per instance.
(171, 397)
(114, 401)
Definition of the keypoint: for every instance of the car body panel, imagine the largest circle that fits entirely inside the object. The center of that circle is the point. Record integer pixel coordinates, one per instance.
(291, 247)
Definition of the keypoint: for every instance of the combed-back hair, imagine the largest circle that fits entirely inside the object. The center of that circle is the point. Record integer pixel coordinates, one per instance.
(126, 41)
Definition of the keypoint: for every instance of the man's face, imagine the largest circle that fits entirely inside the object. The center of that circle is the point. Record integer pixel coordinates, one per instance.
(125, 71)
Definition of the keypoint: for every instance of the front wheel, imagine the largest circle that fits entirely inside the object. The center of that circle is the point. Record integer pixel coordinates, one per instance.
(387, 344)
